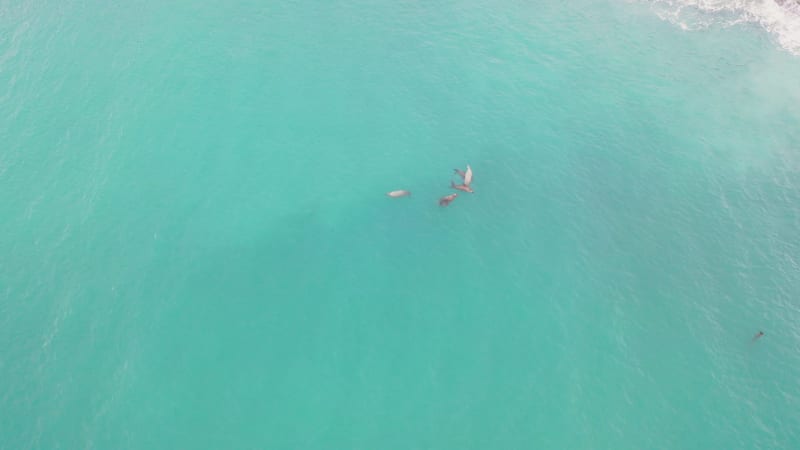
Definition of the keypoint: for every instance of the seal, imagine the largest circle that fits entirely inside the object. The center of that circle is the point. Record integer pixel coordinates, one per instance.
(400, 193)
(461, 187)
(447, 199)
(467, 177)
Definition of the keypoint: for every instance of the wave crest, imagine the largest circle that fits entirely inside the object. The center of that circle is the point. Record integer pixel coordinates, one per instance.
(781, 18)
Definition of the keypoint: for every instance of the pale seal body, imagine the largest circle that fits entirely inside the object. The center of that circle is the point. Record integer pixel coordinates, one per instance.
(467, 176)
(397, 194)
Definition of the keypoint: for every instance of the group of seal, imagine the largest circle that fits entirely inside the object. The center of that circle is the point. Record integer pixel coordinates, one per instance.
(466, 177)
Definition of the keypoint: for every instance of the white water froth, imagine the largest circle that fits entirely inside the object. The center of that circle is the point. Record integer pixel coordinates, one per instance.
(781, 18)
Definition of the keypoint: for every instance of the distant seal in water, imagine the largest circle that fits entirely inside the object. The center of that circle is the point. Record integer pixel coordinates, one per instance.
(467, 176)
(447, 199)
(461, 187)
(397, 194)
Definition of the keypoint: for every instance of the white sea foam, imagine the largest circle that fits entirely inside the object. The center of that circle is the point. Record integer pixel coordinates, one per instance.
(781, 18)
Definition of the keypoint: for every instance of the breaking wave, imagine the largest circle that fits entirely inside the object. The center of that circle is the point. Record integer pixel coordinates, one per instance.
(780, 18)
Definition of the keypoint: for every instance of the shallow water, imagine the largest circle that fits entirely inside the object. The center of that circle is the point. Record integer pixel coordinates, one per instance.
(198, 251)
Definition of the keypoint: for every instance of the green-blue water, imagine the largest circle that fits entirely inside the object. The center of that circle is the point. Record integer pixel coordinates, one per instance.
(196, 248)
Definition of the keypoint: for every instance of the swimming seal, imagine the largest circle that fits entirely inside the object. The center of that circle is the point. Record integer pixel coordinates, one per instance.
(447, 199)
(467, 177)
(397, 194)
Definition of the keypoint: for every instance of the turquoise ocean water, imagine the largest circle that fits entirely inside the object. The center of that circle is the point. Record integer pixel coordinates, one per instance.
(196, 249)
